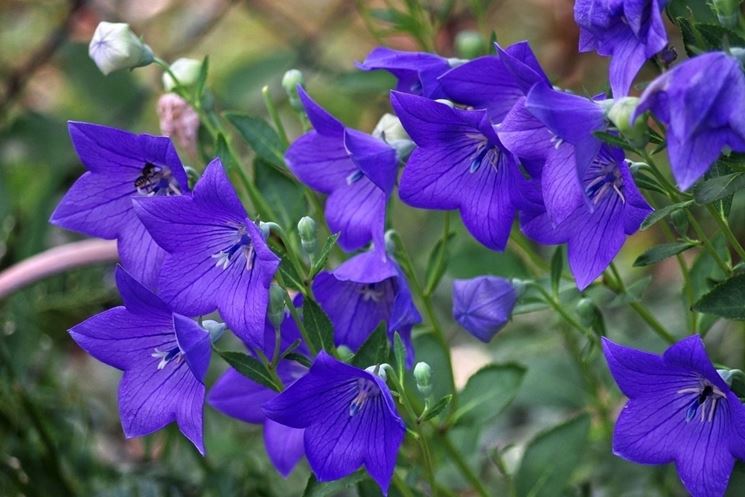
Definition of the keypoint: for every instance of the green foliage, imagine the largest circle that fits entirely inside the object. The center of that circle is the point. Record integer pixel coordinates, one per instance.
(250, 367)
(488, 392)
(662, 252)
(726, 300)
(317, 326)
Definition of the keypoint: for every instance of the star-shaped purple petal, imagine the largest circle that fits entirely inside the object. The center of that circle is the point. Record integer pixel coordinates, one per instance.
(416, 72)
(483, 305)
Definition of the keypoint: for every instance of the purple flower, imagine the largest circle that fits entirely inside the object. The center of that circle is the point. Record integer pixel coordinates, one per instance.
(495, 82)
(121, 166)
(217, 257)
(629, 31)
(362, 292)
(700, 101)
(679, 410)
(349, 419)
(595, 220)
(357, 171)
(459, 163)
(164, 357)
(416, 72)
(483, 305)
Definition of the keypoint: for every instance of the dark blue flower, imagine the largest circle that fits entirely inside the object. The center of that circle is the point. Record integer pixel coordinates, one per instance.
(121, 166)
(217, 257)
(483, 305)
(416, 72)
(700, 101)
(164, 357)
(357, 171)
(629, 31)
(679, 410)
(349, 420)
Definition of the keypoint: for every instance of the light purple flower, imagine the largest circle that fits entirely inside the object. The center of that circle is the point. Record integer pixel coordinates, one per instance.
(700, 102)
(349, 419)
(164, 357)
(629, 31)
(416, 72)
(217, 257)
(483, 305)
(357, 171)
(459, 163)
(679, 410)
(121, 166)
(362, 292)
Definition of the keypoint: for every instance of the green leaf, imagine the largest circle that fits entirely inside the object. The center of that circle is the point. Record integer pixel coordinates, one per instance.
(718, 188)
(260, 136)
(551, 457)
(315, 488)
(726, 300)
(298, 358)
(320, 262)
(614, 140)
(289, 276)
(375, 348)
(249, 367)
(557, 265)
(488, 392)
(282, 193)
(437, 264)
(222, 151)
(202, 78)
(661, 214)
(317, 325)
(437, 408)
(660, 252)
(399, 354)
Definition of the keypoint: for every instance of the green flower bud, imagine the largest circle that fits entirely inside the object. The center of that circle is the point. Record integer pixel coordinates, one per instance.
(344, 353)
(620, 114)
(186, 72)
(390, 241)
(306, 228)
(290, 80)
(380, 370)
(114, 46)
(214, 328)
(470, 44)
(423, 377)
(276, 305)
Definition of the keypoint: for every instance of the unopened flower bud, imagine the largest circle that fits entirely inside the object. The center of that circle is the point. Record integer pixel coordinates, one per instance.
(390, 241)
(728, 12)
(306, 228)
(179, 121)
(620, 114)
(389, 129)
(345, 353)
(470, 44)
(379, 369)
(276, 305)
(114, 46)
(186, 72)
(214, 328)
(290, 81)
(423, 377)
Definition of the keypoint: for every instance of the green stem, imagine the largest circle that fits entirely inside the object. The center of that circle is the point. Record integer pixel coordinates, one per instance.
(401, 486)
(724, 226)
(272, 109)
(537, 265)
(296, 317)
(641, 309)
(463, 466)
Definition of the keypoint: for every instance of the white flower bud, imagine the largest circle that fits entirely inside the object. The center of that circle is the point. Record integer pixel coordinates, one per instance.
(389, 129)
(114, 46)
(186, 72)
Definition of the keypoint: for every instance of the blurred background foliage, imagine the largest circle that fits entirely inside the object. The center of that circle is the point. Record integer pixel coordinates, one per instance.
(59, 429)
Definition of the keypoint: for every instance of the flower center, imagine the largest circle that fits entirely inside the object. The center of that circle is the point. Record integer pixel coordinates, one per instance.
(602, 178)
(485, 153)
(366, 389)
(240, 245)
(167, 356)
(156, 180)
(372, 292)
(706, 398)
(355, 177)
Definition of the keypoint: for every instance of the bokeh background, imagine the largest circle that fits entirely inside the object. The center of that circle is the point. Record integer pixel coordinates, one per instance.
(59, 429)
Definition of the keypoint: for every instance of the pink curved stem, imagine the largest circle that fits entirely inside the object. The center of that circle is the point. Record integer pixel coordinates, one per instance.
(56, 260)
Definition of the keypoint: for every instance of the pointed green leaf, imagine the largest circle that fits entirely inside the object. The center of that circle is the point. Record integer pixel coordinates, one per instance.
(718, 188)
(315, 488)
(375, 349)
(488, 392)
(550, 459)
(260, 136)
(282, 193)
(437, 408)
(399, 353)
(661, 214)
(726, 300)
(437, 264)
(320, 262)
(317, 325)
(289, 276)
(660, 252)
(202, 78)
(557, 266)
(249, 367)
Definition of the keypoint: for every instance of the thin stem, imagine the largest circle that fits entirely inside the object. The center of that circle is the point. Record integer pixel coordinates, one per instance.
(537, 265)
(463, 466)
(724, 226)
(401, 486)
(296, 317)
(272, 109)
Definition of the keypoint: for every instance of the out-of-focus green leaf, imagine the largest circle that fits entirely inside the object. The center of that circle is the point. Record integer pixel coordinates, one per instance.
(438, 262)
(660, 252)
(261, 137)
(726, 300)
(551, 458)
(315, 488)
(557, 266)
(718, 188)
(488, 392)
